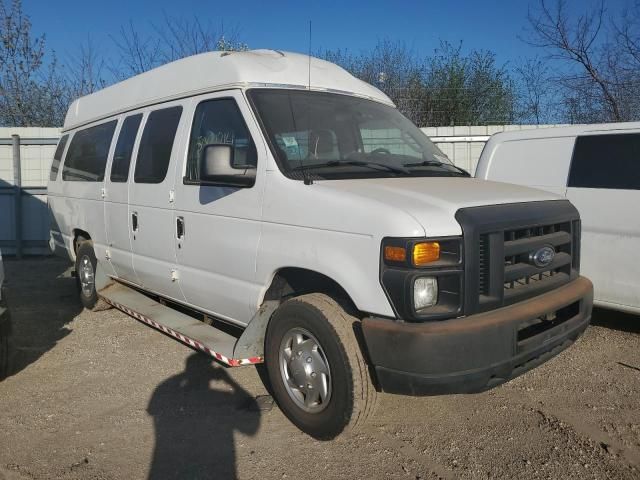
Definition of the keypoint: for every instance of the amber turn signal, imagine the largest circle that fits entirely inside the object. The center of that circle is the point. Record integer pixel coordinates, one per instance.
(425, 252)
(395, 254)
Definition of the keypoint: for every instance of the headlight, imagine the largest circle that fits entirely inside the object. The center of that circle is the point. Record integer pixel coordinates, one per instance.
(425, 292)
(423, 276)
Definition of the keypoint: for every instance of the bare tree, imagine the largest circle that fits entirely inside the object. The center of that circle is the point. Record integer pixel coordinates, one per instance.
(534, 90)
(85, 70)
(581, 45)
(28, 82)
(137, 53)
(169, 40)
(627, 37)
(36, 89)
(182, 37)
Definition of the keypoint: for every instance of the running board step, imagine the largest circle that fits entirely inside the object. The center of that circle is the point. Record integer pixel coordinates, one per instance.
(192, 332)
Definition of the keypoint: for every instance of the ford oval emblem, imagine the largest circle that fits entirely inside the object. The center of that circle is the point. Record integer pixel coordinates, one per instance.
(543, 256)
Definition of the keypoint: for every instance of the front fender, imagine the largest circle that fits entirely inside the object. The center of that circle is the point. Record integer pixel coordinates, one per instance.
(351, 260)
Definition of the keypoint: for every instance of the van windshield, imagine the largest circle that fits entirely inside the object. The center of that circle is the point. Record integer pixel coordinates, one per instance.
(334, 136)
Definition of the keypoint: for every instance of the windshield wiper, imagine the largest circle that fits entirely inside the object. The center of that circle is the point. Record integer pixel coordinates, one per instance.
(435, 163)
(359, 163)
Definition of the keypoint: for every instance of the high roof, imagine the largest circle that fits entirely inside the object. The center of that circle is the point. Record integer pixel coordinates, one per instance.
(215, 71)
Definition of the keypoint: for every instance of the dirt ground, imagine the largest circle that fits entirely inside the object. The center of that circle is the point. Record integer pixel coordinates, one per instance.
(101, 396)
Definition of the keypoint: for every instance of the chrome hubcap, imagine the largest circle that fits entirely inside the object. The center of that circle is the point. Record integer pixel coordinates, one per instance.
(305, 370)
(86, 276)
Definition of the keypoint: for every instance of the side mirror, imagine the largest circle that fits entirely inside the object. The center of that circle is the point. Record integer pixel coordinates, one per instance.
(217, 167)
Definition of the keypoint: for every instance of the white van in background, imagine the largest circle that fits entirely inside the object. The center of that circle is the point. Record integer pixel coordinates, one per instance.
(596, 167)
(268, 206)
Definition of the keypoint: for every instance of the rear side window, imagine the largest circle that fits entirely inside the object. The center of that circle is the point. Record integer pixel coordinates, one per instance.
(606, 161)
(88, 152)
(57, 156)
(154, 152)
(219, 122)
(124, 148)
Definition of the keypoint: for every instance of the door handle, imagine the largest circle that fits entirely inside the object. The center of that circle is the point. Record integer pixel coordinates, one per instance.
(180, 228)
(134, 221)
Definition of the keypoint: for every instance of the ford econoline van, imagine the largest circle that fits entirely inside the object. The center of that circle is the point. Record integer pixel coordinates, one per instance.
(596, 167)
(266, 206)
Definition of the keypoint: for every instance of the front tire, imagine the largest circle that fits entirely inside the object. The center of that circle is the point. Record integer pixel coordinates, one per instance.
(316, 368)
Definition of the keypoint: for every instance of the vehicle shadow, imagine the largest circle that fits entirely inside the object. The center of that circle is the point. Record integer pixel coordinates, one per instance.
(626, 322)
(43, 299)
(196, 414)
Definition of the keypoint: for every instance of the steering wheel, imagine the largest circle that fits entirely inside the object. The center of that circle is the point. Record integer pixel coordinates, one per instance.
(380, 151)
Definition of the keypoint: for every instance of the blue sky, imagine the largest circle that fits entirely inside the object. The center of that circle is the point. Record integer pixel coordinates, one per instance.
(492, 24)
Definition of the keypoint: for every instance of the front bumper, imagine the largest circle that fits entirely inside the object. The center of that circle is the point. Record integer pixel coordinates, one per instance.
(478, 352)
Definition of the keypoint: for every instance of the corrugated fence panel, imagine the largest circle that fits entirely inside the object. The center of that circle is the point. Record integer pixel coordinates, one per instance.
(37, 146)
(35, 226)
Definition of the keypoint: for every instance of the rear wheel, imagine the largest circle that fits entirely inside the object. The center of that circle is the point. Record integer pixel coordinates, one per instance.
(316, 369)
(86, 264)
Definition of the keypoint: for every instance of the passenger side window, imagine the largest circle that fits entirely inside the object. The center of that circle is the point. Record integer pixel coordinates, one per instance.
(606, 161)
(124, 148)
(156, 144)
(57, 156)
(383, 137)
(87, 156)
(219, 122)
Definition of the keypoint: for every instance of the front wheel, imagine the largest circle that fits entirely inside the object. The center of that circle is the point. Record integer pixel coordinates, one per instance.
(315, 366)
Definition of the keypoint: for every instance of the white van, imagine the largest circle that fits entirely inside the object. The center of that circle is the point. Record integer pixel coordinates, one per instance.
(268, 206)
(596, 167)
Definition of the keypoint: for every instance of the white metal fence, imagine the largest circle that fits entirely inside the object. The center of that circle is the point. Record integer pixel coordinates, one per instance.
(25, 160)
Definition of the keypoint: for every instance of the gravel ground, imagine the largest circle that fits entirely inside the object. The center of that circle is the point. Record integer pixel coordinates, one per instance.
(101, 396)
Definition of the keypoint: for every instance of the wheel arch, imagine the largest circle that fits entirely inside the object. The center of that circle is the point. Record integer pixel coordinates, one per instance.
(288, 282)
(77, 235)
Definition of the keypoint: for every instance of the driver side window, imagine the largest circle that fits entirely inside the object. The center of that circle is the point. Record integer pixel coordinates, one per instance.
(219, 122)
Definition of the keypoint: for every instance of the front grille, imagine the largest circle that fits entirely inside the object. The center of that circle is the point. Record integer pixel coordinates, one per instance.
(501, 242)
(483, 265)
(519, 273)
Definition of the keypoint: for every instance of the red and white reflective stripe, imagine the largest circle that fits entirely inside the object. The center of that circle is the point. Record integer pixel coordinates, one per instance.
(232, 362)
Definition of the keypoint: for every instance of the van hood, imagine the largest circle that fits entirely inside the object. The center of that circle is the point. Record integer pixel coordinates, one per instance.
(434, 201)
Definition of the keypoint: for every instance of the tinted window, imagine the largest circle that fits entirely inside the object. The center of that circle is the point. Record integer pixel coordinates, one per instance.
(55, 164)
(154, 152)
(606, 161)
(88, 152)
(219, 122)
(124, 148)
